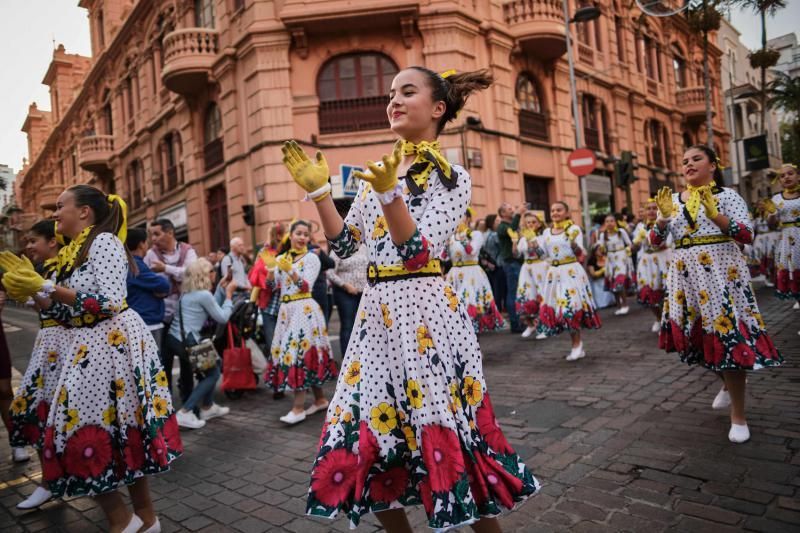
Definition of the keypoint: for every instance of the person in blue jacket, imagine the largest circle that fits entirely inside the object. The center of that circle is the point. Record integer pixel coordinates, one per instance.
(146, 289)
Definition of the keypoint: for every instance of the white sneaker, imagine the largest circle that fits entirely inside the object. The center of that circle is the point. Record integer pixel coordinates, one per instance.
(622, 311)
(155, 528)
(739, 433)
(576, 353)
(292, 418)
(134, 525)
(314, 408)
(20, 455)
(656, 327)
(39, 497)
(541, 336)
(796, 306)
(768, 283)
(214, 411)
(528, 332)
(187, 419)
(722, 400)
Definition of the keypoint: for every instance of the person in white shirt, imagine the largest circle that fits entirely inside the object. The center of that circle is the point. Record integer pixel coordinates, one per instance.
(234, 262)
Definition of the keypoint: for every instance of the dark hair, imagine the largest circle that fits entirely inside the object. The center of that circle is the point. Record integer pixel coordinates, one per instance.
(565, 204)
(287, 244)
(45, 228)
(712, 157)
(165, 224)
(136, 236)
(490, 220)
(108, 218)
(454, 90)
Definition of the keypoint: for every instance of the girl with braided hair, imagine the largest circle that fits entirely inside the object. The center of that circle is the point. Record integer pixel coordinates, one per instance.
(411, 421)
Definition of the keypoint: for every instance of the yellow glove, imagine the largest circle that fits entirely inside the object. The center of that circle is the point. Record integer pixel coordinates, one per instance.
(269, 259)
(710, 202)
(664, 202)
(513, 235)
(572, 235)
(284, 262)
(383, 179)
(640, 236)
(10, 262)
(310, 175)
(254, 294)
(769, 206)
(23, 283)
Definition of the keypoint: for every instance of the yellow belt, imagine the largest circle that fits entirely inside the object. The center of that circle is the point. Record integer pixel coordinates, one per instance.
(48, 323)
(795, 224)
(378, 273)
(563, 262)
(466, 264)
(688, 242)
(532, 261)
(295, 297)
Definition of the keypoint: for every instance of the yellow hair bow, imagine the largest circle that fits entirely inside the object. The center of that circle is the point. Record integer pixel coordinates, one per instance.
(122, 232)
(447, 73)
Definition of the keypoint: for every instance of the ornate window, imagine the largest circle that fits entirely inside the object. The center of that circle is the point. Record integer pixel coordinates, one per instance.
(212, 136)
(135, 182)
(679, 67)
(657, 137)
(171, 161)
(204, 13)
(532, 119)
(353, 91)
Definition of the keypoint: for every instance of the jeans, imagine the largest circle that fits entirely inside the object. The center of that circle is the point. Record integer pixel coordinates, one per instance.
(512, 269)
(497, 279)
(158, 335)
(203, 393)
(268, 322)
(347, 305)
(174, 348)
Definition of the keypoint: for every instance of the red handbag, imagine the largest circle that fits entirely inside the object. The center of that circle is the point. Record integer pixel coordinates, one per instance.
(237, 366)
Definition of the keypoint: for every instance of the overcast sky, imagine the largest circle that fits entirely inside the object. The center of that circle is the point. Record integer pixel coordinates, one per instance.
(29, 28)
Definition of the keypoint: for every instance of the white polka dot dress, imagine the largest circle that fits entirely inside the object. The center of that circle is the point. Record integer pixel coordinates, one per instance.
(652, 268)
(411, 421)
(765, 244)
(111, 419)
(710, 315)
(301, 352)
(470, 282)
(787, 253)
(619, 266)
(567, 300)
(531, 279)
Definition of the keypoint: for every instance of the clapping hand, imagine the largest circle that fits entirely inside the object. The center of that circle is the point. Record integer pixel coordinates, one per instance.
(769, 206)
(10, 262)
(23, 283)
(664, 202)
(513, 235)
(284, 262)
(383, 179)
(710, 202)
(268, 258)
(310, 175)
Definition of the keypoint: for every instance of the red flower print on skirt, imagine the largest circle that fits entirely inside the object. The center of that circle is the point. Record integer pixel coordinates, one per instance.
(489, 429)
(297, 377)
(334, 476)
(158, 451)
(765, 347)
(367, 455)
(277, 375)
(42, 412)
(311, 359)
(441, 452)
(472, 311)
(547, 315)
(477, 483)
(388, 486)
(91, 305)
(426, 495)
(503, 485)
(713, 350)
(743, 355)
(134, 448)
(172, 434)
(88, 452)
(51, 467)
(31, 432)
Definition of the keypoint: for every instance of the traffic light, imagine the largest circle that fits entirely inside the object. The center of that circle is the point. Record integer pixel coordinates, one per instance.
(249, 214)
(623, 170)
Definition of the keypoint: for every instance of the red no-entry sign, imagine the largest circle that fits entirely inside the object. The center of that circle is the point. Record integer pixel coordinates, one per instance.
(581, 161)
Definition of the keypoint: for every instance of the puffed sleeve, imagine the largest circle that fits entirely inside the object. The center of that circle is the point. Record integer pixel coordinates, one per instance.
(309, 272)
(349, 239)
(734, 207)
(438, 222)
(522, 246)
(107, 263)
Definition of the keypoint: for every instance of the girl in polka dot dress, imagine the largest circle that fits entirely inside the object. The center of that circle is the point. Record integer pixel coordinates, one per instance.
(784, 208)
(411, 421)
(764, 245)
(470, 283)
(619, 266)
(111, 420)
(651, 272)
(710, 316)
(567, 300)
(301, 353)
(31, 404)
(533, 271)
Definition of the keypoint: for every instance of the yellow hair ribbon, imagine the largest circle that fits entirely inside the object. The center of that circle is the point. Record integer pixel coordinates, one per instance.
(59, 236)
(122, 232)
(650, 201)
(470, 211)
(447, 73)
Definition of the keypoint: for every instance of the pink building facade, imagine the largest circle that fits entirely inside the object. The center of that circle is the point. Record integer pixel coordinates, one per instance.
(184, 105)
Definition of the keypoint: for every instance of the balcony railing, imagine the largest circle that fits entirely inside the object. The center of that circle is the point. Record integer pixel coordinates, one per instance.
(357, 114)
(692, 101)
(213, 155)
(533, 124)
(591, 138)
(95, 151)
(189, 55)
(538, 26)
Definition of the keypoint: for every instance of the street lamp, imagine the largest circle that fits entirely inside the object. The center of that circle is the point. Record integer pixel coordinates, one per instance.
(583, 14)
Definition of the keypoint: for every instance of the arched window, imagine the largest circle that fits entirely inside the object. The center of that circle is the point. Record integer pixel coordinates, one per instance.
(135, 182)
(687, 140)
(204, 13)
(171, 161)
(679, 66)
(594, 117)
(353, 91)
(212, 135)
(657, 138)
(532, 120)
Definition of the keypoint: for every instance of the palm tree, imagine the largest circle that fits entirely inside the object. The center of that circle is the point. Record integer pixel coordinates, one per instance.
(784, 94)
(704, 17)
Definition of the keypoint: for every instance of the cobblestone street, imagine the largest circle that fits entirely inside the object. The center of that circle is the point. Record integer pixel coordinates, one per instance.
(623, 440)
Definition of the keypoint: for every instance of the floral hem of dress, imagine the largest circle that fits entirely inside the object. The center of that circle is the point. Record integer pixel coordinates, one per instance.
(787, 284)
(650, 298)
(551, 325)
(488, 320)
(528, 308)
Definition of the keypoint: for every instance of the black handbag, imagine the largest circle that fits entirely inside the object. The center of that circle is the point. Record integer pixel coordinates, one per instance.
(202, 355)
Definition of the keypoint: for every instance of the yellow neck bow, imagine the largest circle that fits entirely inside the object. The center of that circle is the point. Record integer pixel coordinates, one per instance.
(428, 157)
(564, 224)
(64, 262)
(693, 203)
